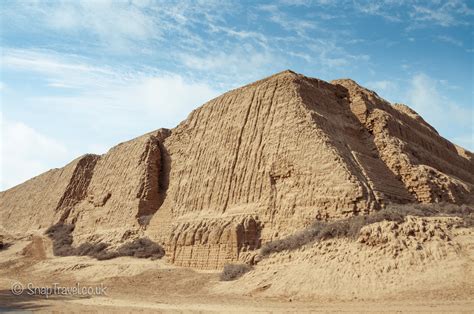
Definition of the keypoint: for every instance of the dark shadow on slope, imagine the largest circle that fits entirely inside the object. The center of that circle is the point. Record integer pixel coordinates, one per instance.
(353, 144)
(26, 302)
(424, 147)
(4, 246)
(164, 178)
(234, 271)
(61, 234)
(76, 190)
(150, 204)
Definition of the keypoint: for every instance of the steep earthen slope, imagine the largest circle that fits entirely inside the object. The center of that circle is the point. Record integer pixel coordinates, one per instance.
(431, 168)
(43, 200)
(126, 188)
(252, 165)
(105, 196)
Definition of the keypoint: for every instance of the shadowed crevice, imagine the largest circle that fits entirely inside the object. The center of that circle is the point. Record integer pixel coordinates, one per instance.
(152, 192)
(76, 190)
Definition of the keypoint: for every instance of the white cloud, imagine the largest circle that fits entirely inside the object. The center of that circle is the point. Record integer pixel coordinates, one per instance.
(449, 40)
(124, 103)
(379, 9)
(25, 153)
(117, 24)
(202, 31)
(449, 13)
(414, 13)
(167, 98)
(330, 55)
(387, 89)
(169, 95)
(418, 13)
(383, 86)
(123, 27)
(102, 89)
(241, 34)
(238, 67)
(297, 25)
(424, 96)
(237, 61)
(307, 3)
(58, 70)
(300, 55)
(44, 62)
(466, 142)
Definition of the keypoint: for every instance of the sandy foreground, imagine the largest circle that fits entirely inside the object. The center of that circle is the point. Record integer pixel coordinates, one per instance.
(131, 284)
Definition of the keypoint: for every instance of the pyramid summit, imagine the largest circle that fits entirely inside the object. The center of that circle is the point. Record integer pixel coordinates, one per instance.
(250, 166)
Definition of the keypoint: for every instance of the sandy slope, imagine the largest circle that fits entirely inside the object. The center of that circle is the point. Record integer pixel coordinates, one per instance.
(378, 272)
(421, 258)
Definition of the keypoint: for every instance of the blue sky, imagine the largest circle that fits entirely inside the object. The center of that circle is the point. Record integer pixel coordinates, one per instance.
(82, 76)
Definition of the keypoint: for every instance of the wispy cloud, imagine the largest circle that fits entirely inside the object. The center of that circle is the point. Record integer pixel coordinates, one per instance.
(41, 62)
(444, 13)
(198, 36)
(167, 98)
(379, 8)
(120, 26)
(124, 102)
(419, 13)
(424, 97)
(383, 86)
(330, 54)
(106, 87)
(242, 65)
(117, 24)
(449, 40)
(414, 14)
(241, 34)
(299, 26)
(465, 141)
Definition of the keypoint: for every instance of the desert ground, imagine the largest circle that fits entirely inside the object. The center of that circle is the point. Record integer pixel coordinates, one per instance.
(145, 285)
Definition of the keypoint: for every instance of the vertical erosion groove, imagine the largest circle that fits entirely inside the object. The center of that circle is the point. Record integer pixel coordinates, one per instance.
(239, 142)
(76, 190)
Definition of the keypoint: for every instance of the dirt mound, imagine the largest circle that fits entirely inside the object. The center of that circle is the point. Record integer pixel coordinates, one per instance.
(421, 257)
(253, 165)
(36, 249)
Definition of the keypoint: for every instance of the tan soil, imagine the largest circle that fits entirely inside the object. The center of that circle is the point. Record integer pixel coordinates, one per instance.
(336, 275)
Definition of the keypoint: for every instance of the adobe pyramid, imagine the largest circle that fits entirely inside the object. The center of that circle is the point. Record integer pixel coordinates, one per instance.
(252, 165)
